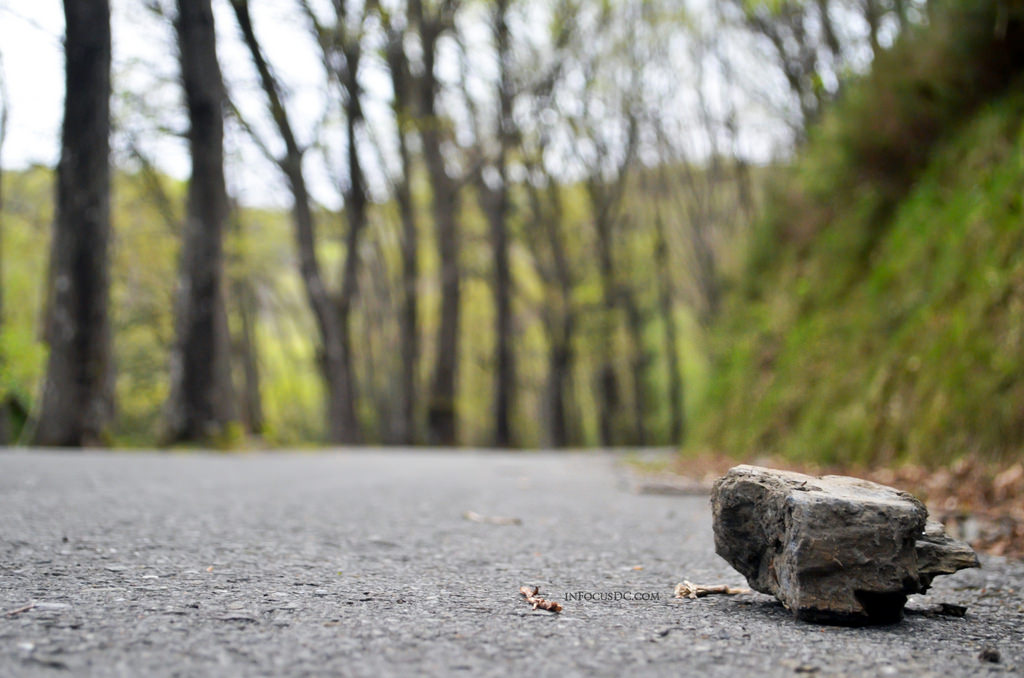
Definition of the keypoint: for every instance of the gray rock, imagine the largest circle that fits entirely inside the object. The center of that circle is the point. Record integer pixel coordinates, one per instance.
(833, 549)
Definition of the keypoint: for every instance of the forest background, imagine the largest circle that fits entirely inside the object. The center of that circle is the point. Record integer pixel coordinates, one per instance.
(776, 226)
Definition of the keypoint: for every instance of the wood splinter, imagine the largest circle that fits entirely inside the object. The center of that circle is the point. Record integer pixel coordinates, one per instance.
(26, 608)
(690, 590)
(533, 598)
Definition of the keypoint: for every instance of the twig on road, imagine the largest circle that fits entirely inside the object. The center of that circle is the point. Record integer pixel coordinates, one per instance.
(11, 613)
(532, 596)
(690, 590)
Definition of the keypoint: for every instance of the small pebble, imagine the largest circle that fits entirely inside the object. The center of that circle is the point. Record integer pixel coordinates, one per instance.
(989, 654)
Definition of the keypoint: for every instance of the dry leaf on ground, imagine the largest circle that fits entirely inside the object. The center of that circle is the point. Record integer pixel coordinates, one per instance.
(532, 595)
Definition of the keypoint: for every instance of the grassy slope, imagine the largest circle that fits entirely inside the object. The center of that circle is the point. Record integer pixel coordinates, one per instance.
(914, 351)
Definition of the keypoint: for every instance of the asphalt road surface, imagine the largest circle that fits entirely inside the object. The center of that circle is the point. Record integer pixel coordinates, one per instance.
(364, 563)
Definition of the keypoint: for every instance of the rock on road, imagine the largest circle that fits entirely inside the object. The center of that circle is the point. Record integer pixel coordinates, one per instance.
(364, 564)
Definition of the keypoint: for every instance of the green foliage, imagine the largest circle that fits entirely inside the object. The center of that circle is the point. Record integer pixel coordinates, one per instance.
(27, 217)
(260, 257)
(867, 152)
(881, 312)
(143, 275)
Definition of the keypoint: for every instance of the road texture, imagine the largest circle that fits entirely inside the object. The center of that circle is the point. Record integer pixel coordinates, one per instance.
(364, 564)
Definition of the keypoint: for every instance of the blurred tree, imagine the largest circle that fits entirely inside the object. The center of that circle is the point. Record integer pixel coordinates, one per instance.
(609, 126)
(666, 305)
(77, 397)
(786, 25)
(498, 202)
(520, 136)
(546, 236)
(546, 231)
(201, 405)
(402, 103)
(816, 43)
(490, 175)
(431, 19)
(341, 48)
(242, 284)
(704, 202)
(4, 108)
(335, 362)
(873, 18)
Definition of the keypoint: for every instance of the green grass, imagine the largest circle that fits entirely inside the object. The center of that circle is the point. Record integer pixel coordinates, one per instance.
(911, 348)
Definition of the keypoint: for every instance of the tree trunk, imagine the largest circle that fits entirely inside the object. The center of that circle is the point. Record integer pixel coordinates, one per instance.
(252, 401)
(605, 198)
(202, 405)
(381, 351)
(247, 352)
(355, 211)
(639, 363)
(505, 382)
(828, 31)
(401, 80)
(442, 418)
(5, 423)
(608, 383)
(677, 413)
(333, 366)
(544, 226)
(410, 338)
(900, 7)
(78, 397)
(563, 355)
(873, 16)
(560, 361)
